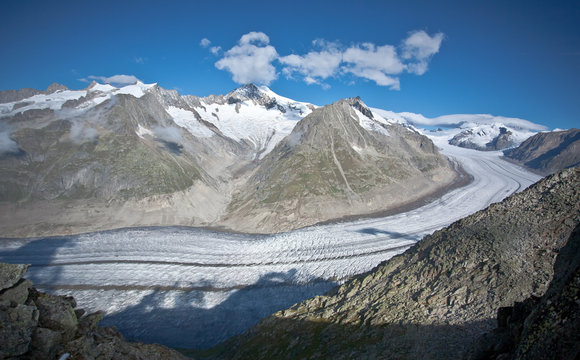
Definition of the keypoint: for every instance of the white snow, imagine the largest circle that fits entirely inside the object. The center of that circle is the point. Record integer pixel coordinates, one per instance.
(137, 90)
(103, 88)
(370, 124)
(52, 101)
(186, 119)
(55, 100)
(204, 286)
(483, 127)
(481, 134)
(263, 128)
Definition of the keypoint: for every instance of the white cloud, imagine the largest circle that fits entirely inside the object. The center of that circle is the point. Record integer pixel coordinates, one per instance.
(457, 120)
(204, 42)
(116, 79)
(251, 60)
(379, 77)
(314, 66)
(139, 60)
(418, 48)
(170, 134)
(254, 37)
(7, 145)
(374, 63)
(79, 133)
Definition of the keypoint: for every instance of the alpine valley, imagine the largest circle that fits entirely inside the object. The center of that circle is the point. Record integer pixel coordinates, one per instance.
(186, 220)
(252, 161)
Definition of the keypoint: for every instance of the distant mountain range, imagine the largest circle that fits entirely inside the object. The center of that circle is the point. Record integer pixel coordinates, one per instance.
(251, 160)
(548, 152)
(107, 157)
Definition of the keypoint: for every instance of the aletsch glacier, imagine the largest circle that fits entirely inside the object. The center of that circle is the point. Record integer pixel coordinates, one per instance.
(194, 288)
(191, 287)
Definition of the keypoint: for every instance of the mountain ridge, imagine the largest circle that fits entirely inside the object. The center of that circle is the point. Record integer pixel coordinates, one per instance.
(141, 155)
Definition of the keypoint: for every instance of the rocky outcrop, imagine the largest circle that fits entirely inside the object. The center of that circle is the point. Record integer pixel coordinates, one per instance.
(434, 300)
(540, 328)
(35, 325)
(548, 152)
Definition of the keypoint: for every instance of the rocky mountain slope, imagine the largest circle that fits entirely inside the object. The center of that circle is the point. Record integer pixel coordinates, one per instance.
(340, 160)
(540, 328)
(35, 325)
(548, 152)
(434, 300)
(105, 157)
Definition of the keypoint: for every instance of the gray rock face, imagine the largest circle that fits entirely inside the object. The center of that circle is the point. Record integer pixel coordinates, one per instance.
(10, 274)
(56, 313)
(432, 301)
(548, 152)
(43, 326)
(17, 293)
(18, 324)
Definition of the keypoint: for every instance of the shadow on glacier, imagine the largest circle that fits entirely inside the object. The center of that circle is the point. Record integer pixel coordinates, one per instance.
(187, 324)
(390, 234)
(39, 254)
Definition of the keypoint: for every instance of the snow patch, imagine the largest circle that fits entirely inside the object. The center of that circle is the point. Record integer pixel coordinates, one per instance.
(263, 128)
(186, 119)
(370, 124)
(137, 90)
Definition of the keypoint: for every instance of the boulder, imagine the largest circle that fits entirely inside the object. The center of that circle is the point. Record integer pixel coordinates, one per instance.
(57, 313)
(17, 324)
(10, 274)
(45, 343)
(18, 293)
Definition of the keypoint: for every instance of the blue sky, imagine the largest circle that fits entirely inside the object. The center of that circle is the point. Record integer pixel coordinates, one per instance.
(510, 58)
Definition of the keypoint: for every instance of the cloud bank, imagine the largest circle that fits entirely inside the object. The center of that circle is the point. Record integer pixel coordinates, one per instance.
(253, 59)
(7, 145)
(460, 120)
(115, 79)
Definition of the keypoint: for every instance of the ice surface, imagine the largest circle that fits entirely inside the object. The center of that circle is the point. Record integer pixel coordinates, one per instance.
(192, 287)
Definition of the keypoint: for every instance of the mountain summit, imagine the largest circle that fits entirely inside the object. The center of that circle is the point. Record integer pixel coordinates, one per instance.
(340, 160)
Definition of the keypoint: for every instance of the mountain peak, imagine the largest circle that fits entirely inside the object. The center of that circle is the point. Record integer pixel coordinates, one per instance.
(54, 87)
(358, 104)
(249, 91)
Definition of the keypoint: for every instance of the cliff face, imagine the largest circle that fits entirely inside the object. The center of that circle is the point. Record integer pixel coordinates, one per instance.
(35, 325)
(434, 300)
(548, 152)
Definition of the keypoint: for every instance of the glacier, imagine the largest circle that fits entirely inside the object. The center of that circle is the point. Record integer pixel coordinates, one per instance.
(193, 288)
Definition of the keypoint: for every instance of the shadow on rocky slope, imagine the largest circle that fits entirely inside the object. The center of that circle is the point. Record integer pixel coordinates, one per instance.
(178, 318)
(540, 328)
